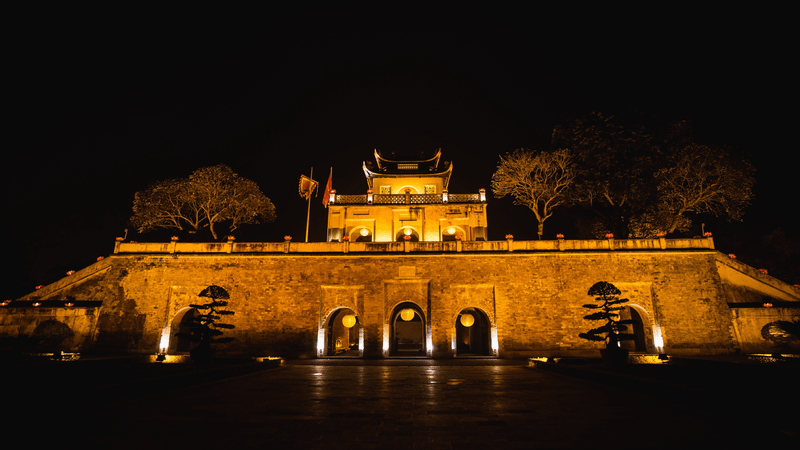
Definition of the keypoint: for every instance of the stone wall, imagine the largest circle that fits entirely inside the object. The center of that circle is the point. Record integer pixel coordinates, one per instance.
(533, 299)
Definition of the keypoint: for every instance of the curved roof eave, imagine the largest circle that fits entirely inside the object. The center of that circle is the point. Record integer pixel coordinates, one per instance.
(380, 159)
(443, 174)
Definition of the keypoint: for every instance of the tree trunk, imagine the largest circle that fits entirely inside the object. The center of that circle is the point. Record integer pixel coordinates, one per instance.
(213, 233)
(541, 229)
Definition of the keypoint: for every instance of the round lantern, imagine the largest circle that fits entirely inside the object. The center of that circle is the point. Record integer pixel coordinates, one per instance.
(364, 232)
(407, 314)
(467, 320)
(349, 320)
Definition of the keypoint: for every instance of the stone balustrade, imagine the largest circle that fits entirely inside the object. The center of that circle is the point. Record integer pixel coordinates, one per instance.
(508, 245)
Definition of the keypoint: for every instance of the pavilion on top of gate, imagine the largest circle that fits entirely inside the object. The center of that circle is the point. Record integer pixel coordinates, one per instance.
(407, 200)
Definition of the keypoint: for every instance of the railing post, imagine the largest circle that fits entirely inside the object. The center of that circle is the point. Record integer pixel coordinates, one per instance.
(369, 196)
(408, 196)
(444, 195)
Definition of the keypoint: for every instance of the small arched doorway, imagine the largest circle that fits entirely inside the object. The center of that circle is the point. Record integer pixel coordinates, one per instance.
(181, 330)
(409, 232)
(473, 333)
(640, 343)
(452, 233)
(362, 234)
(343, 334)
(408, 331)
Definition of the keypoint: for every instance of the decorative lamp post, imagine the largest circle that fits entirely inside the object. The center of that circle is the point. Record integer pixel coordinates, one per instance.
(445, 194)
(369, 196)
(482, 194)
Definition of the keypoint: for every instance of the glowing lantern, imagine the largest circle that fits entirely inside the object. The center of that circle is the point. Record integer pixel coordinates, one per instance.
(467, 320)
(407, 231)
(407, 314)
(364, 232)
(349, 320)
(451, 230)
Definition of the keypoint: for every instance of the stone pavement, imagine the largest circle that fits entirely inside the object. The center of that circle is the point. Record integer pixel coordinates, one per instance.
(403, 405)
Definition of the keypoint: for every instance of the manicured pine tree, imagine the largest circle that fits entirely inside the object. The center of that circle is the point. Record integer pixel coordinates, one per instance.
(204, 327)
(612, 331)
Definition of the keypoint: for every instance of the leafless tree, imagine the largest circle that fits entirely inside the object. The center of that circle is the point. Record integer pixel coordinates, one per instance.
(536, 180)
(702, 179)
(209, 196)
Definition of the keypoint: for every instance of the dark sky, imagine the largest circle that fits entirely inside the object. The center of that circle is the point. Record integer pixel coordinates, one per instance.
(100, 111)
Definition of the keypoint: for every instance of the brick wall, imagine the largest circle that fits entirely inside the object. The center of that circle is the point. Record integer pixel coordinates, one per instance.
(533, 300)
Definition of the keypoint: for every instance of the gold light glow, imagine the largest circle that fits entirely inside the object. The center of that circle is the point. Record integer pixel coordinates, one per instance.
(451, 230)
(407, 231)
(364, 232)
(467, 320)
(349, 320)
(407, 314)
(163, 344)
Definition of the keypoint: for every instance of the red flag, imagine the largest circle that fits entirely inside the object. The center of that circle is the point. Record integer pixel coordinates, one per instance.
(328, 188)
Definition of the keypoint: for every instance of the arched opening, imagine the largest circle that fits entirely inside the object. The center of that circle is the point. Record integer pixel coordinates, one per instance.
(411, 190)
(181, 330)
(473, 333)
(449, 233)
(638, 329)
(408, 331)
(361, 235)
(343, 334)
(412, 234)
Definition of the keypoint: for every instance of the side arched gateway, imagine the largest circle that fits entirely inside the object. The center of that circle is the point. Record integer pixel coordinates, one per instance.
(180, 329)
(642, 330)
(472, 333)
(344, 334)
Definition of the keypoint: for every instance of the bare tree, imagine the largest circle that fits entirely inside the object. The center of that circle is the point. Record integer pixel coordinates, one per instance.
(209, 196)
(536, 180)
(703, 179)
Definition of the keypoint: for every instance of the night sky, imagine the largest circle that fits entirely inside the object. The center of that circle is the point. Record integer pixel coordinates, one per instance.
(98, 112)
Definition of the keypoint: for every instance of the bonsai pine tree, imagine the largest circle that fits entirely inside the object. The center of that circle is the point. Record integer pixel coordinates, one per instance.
(205, 330)
(611, 332)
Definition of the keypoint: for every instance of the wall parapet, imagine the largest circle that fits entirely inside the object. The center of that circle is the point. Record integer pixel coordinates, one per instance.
(560, 245)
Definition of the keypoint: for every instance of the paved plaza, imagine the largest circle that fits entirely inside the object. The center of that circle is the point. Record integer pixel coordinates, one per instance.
(397, 406)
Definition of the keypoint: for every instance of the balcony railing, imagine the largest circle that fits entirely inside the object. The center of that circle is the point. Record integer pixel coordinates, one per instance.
(402, 199)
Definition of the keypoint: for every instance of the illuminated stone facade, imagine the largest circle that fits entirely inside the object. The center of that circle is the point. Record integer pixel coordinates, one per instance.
(526, 297)
(370, 292)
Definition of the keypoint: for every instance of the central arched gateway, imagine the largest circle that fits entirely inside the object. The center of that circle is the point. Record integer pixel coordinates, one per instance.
(407, 331)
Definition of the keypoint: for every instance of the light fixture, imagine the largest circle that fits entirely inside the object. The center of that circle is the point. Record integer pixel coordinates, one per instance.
(467, 320)
(349, 320)
(407, 314)
(451, 230)
(364, 232)
(407, 231)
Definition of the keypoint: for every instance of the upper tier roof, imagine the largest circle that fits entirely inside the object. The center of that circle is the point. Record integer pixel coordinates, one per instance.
(388, 168)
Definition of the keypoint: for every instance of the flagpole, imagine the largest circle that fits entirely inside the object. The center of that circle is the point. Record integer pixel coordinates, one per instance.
(308, 215)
